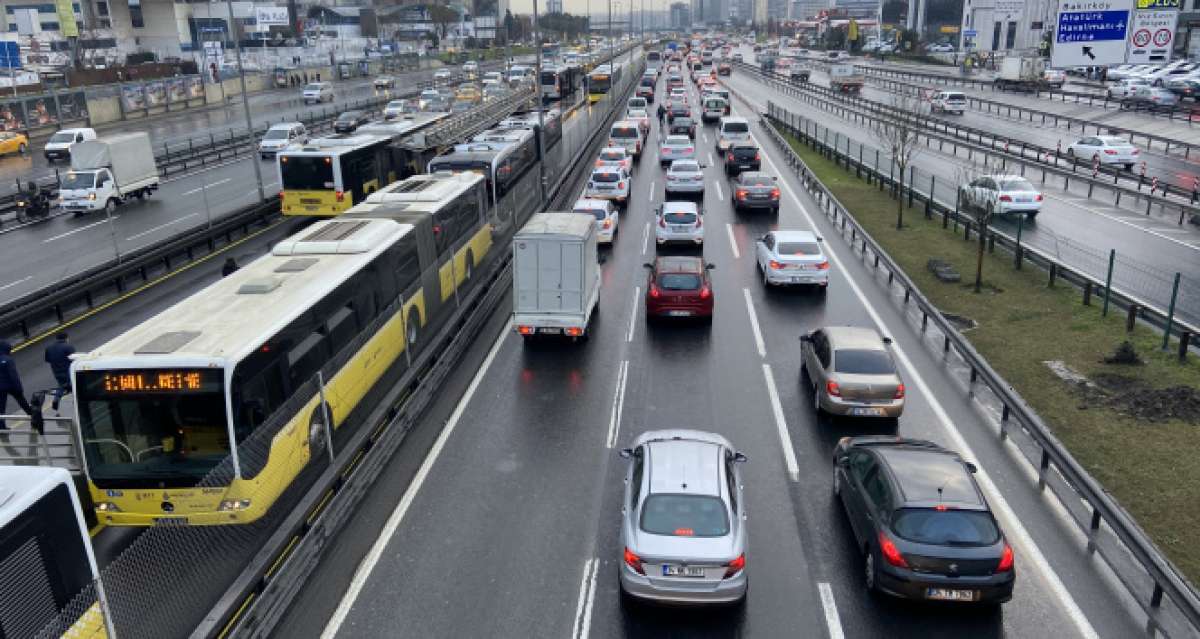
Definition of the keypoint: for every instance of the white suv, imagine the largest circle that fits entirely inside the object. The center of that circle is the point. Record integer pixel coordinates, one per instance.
(732, 129)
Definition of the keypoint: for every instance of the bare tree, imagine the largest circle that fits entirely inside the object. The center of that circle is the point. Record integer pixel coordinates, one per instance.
(982, 216)
(899, 134)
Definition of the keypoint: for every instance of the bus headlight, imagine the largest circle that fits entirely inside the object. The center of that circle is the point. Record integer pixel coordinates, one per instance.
(107, 507)
(228, 505)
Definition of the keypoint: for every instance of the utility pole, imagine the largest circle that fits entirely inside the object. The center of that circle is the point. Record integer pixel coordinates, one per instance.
(237, 45)
(541, 109)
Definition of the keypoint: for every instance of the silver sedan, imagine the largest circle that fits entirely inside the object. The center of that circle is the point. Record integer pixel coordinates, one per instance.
(683, 523)
(676, 147)
(685, 176)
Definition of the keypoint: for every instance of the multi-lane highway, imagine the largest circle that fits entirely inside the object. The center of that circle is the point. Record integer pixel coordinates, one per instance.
(500, 515)
(1079, 230)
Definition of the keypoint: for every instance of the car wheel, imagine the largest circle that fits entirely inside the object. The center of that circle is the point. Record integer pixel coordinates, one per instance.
(837, 489)
(1070, 152)
(816, 395)
(870, 572)
(110, 207)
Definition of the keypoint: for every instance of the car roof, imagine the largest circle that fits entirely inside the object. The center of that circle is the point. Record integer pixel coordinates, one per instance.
(592, 203)
(677, 139)
(684, 464)
(734, 118)
(928, 476)
(679, 264)
(672, 206)
(854, 337)
(613, 149)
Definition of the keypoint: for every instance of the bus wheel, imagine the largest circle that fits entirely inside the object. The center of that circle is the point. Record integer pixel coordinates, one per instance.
(321, 416)
(412, 331)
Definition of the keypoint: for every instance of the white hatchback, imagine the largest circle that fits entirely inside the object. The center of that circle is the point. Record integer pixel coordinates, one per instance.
(606, 216)
(609, 183)
(679, 222)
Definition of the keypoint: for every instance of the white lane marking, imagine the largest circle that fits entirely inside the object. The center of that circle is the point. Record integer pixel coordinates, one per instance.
(618, 405)
(710, 159)
(160, 227)
(12, 284)
(195, 190)
(74, 231)
(737, 255)
(363, 572)
(651, 194)
(587, 594)
(646, 240)
(219, 182)
(720, 194)
(1011, 522)
(758, 338)
(832, 621)
(785, 440)
(637, 292)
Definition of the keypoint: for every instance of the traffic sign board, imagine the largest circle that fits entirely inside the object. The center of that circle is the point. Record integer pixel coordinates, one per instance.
(10, 55)
(970, 33)
(1152, 32)
(1091, 33)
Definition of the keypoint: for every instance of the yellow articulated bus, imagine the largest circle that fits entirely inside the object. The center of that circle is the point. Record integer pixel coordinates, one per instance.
(205, 413)
(47, 568)
(327, 176)
(601, 80)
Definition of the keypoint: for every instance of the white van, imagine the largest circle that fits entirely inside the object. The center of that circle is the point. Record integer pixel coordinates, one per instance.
(948, 102)
(280, 136)
(714, 109)
(58, 147)
(626, 134)
(732, 129)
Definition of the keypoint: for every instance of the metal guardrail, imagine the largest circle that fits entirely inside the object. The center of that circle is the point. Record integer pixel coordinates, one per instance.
(27, 447)
(1176, 113)
(1169, 601)
(253, 606)
(973, 139)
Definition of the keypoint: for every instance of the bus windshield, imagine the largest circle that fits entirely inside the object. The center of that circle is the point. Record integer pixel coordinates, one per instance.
(301, 173)
(152, 427)
(599, 83)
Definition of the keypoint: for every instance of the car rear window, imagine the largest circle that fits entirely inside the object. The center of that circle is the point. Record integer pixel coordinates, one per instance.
(956, 97)
(948, 527)
(605, 177)
(679, 281)
(679, 217)
(624, 132)
(678, 140)
(684, 167)
(756, 181)
(856, 361)
(735, 127)
(799, 249)
(599, 214)
(612, 155)
(685, 516)
(1016, 185)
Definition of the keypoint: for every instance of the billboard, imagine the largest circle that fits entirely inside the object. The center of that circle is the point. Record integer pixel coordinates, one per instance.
(268, 16)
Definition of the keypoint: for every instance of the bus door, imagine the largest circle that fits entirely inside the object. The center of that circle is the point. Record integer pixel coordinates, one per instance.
(360, 175)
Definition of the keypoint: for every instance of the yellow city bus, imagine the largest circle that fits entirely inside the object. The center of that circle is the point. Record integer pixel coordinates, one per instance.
(207, 412)
(601, 80)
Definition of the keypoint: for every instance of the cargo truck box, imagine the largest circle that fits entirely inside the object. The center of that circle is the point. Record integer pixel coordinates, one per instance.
(556, 275)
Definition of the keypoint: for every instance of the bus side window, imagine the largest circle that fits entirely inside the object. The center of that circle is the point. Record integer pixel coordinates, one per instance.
(342, 326)
(306, 359)
(408, 262)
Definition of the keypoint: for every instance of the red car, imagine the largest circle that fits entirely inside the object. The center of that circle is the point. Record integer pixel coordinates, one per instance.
(679, 286)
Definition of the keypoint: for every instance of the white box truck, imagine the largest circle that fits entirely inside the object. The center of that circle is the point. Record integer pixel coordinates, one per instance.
(845, 78)
(1022, 73)
(108, 171)
(556, 275)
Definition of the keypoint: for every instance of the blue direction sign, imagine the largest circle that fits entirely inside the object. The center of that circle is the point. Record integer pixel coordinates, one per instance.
(10, 55)
(1091, 33)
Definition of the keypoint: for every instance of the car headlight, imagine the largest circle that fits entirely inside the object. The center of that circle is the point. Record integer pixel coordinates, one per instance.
(91, 196)
(228, 505)
(107, 507)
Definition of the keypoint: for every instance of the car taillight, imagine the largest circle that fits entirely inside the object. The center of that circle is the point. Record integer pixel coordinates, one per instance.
(757, 157)
(734, 567)
(899, 392)
(729, 157)
(1135, 151)
(1006, 559)
(890, 553)
(823, 266)
(740, 194)
(662, 222)
(832, 388)
(620, 185)
(1006, 198)
(775, 265)
(525, 330)
(775, 193)
(1037, 198)
(607, 224)
(1109, 152)
(654, 292)
(705, 293)
(599, 162)
(699, 221)
(633, 561)
(340, 196)
(574, 331)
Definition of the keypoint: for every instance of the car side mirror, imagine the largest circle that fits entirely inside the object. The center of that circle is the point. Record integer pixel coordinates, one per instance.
(844, 462)
(820, 239)
(887, 340)
(710, 266)
(972, 467)
(626, 453)
(740, 457)
(648, 265)
(806, 338)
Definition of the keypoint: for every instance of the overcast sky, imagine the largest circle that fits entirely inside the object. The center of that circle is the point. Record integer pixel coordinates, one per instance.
(579, 7)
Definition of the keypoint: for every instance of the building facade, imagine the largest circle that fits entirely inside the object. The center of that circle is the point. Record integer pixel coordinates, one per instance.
(1004, 25)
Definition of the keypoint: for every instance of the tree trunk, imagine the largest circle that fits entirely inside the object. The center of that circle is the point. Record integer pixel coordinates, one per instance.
(979, 261)
(900, 201)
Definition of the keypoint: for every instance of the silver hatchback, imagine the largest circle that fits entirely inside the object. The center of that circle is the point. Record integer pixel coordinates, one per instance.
(683, 524)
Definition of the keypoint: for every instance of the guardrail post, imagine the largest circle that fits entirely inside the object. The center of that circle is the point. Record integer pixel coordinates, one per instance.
(1184, 339)
(929, 200)
(1087, 293)
(877, 175)
(1093, 530)
(1112, 259)
(1004, 414)
(1053, 274)
(1171, 311)
(1131, 317)
(1043, 465)
(1017, 249)
(858, 167)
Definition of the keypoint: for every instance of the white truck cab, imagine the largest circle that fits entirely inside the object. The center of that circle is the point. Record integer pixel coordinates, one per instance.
(58, 147)
(107, 172)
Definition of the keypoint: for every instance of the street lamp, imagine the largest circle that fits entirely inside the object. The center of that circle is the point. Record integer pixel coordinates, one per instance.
(237, 43)
(541, 133)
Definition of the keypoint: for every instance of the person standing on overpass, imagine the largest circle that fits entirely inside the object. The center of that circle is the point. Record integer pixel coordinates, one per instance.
(58, 356)
(10, 383)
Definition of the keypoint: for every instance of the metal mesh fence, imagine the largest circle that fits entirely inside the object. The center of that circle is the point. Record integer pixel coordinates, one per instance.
(1141, 279)
(168, 579)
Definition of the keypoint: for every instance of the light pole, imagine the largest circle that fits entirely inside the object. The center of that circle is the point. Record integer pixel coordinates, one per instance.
(541, 133)
(237, 45)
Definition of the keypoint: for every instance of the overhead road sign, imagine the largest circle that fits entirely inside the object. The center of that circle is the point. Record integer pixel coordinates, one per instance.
(1152, 31)
(1091, 33)
(10, 55)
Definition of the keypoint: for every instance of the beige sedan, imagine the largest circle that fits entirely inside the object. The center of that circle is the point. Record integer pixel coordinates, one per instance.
(851, 372)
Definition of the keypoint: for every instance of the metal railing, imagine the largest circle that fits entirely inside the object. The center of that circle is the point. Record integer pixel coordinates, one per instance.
(1169, 601)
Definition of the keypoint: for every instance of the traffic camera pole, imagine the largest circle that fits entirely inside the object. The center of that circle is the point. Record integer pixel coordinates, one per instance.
(237, 45)
(537, 86)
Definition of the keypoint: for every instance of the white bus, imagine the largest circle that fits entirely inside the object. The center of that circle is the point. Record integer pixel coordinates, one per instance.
(224, 380)
(503, 155)
(46, 558)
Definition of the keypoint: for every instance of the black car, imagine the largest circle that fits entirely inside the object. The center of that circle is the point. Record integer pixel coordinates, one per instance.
(724, 68)
(921, 521)
(678, 110)
(349, 121)
(742, 156)
(799, 75)
(754, 190)
(681, 125)
(1185, 88)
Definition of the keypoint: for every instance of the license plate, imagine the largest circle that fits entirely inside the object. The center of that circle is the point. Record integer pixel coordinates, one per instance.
(550, 330)
(867, 412)
(680, 229)
(760, 196)
(682, 571)
(1024, 199)
(679, 313)
(951, 594)
(311, 208)
(744, 166)
(605, 187)
(797, 279)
